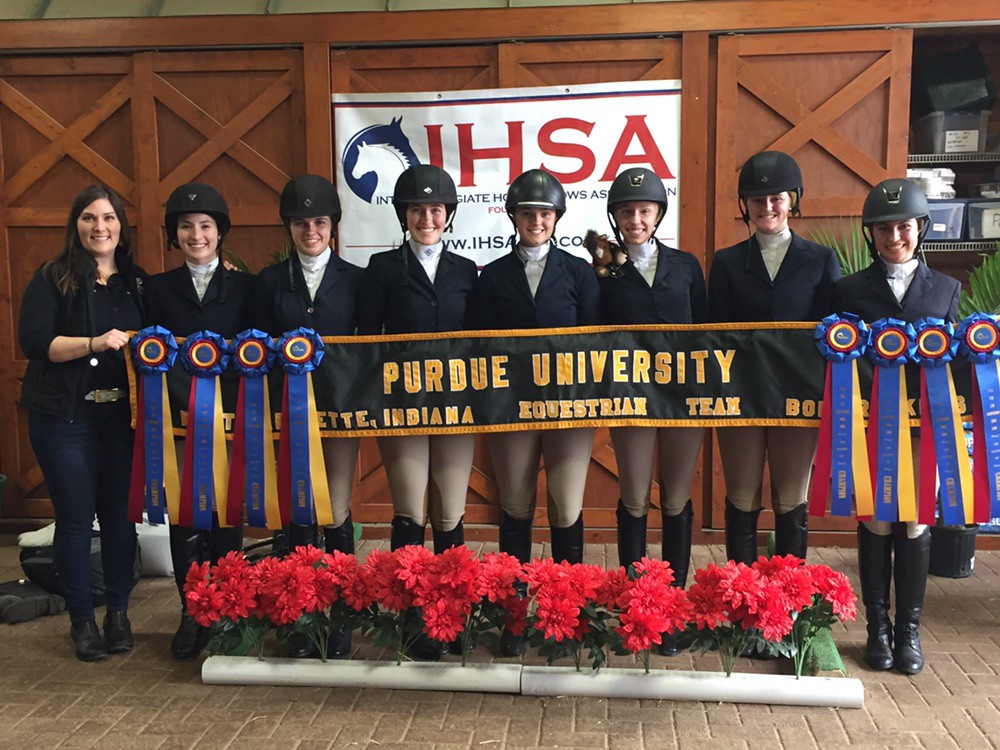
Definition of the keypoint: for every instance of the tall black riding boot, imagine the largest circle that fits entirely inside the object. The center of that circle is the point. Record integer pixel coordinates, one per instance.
(339, 539)
(910, 571)
(791, 532)
(302, 536)
(187, 546)
(447, 539)
(567, 542)
(677, 552)
(875, 568)
(226, 539)
(406, 532)
(741, 534)
(631, 536)
(515, 540)
(300, 645)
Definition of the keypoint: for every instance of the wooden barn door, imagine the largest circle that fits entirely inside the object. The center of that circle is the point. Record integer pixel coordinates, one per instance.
(143, 124)
(506, 66)
(838, 103)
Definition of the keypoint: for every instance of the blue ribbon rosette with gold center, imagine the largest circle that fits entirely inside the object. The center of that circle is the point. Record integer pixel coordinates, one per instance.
(942, 443)
(252, 477)
(979, 342)
(205, 355)
(841, 469)
(154, 485)
(891, 344)
(303, 491)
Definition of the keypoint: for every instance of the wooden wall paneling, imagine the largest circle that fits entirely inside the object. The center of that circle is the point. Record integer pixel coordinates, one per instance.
(316, 89)
(837, 103)
(418, 69)
(147, 243)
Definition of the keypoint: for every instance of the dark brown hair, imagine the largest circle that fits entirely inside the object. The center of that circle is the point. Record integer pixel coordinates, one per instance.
(73, 265)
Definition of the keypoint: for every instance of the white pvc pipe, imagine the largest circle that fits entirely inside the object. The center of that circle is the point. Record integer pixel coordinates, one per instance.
(476, 678)
(835, 692)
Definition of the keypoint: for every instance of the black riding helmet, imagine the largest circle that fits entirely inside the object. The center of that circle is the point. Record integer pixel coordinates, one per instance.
(636, 184)
(770, 173)
(195, 198)
(894, 200)
(307, 196)
(423, 184)
(536, 188)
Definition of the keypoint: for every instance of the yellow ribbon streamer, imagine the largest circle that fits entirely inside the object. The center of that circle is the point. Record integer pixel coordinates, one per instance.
(322, 504)
(863, 497)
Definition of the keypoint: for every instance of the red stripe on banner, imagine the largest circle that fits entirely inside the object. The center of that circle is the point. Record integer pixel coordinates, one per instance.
(927, 488)
(284, 461)
(137, 485)
(820, 491)
(186, 511)
(237, 466)
(980, 472)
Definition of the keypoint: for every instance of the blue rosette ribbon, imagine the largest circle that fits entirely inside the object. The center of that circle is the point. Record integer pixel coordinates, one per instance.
(252, 477)
(942, 442)
(154, 484)
(205, 473)
(979, 342)
(891, 344)
(303, 490)
(841, 471)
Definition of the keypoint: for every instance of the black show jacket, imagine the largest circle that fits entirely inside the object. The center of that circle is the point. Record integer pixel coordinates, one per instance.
(677, 295)
(867, 294)
(226, 309)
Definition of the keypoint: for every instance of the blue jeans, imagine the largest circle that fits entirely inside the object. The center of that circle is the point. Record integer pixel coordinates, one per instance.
(87, 465)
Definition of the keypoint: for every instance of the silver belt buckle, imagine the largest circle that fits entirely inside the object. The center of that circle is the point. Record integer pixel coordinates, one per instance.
(106, 396)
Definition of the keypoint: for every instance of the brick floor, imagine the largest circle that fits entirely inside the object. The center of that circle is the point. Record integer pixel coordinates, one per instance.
(146, 700)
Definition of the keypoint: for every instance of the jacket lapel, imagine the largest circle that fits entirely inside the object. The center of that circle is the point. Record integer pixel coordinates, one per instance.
(755, 262)
(794, 258)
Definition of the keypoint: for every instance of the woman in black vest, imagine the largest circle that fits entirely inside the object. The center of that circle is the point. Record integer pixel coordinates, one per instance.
(898, 285)
(72, 327)
(314, 287)
(774, 275)
(199, 295)
(656, 284)
(538, 285)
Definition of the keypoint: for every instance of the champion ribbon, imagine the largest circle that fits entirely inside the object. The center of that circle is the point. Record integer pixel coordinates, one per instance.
(841, 469)
(252, 478)
(303, 489)
(154, 482)
(942, 445)
(979, 342)
(891, 343)
(204, 476)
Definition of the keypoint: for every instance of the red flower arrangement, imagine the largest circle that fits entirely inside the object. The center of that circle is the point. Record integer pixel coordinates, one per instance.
(778, 605)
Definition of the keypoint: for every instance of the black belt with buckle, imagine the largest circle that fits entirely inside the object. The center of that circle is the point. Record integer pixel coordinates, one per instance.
(106, 396)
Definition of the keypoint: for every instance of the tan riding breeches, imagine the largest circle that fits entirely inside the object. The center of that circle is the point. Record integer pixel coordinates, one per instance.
(677, 452)
(789, 452)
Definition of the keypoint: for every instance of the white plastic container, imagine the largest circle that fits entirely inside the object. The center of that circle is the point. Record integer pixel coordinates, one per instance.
(947, 220)
(984, 220)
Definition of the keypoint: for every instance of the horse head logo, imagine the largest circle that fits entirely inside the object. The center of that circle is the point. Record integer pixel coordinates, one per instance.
(377, 156)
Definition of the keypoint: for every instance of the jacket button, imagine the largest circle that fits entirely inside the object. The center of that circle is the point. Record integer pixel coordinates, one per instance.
(309, 310)
(434, 303)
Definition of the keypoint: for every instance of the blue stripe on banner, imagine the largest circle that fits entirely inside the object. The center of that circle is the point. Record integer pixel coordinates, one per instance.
(152, 403)
(253, 447)
(887, 474)
(943, 427)
(203, 471)
(841, 425)
(298, 442)
(989, 396)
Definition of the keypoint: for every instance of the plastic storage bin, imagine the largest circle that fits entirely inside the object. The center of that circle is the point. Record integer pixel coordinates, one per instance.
(950, 132)
(984, 220)
(986, 190)
(947, 220)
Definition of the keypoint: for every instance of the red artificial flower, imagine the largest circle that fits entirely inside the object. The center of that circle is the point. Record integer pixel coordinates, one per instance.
(203, 601)
(496, 576)
(773, 618)
(835, 588)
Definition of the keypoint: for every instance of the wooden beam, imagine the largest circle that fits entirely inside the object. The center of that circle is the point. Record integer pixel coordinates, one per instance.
(471, 25)
(316, 88)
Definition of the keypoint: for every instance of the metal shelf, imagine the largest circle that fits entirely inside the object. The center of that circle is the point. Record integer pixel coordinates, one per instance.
(967, 158)
(956, 246)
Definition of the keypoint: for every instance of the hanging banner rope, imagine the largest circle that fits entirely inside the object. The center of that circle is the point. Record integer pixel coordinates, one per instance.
(841, 469)
(303, 491)
(979, 342)
(942, 442)
(154, 481)
(252, 478)
(205, 355)
(890, 345)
